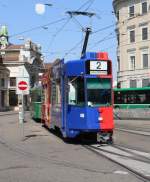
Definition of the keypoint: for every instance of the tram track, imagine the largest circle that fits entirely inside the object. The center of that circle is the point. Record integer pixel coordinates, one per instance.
(124, 158)
(135, 132)
(145, 155)
(127, 153)
(143, 128)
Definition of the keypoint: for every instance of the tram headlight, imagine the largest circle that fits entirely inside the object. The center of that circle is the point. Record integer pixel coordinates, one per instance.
(100, 119)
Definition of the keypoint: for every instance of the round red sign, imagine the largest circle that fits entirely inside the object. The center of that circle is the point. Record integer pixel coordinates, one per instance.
(22, 85)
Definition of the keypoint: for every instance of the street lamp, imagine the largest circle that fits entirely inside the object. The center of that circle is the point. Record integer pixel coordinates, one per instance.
(48, 4)
(40, 8)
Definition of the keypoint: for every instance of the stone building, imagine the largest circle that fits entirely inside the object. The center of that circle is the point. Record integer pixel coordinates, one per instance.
(27, 55)
(4, 92)
(133, 34)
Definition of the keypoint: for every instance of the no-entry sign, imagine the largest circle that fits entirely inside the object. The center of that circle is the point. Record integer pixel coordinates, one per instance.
(22, 86)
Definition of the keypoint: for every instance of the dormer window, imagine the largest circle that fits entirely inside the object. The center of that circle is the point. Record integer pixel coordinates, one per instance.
(144, 7)
(131, 11)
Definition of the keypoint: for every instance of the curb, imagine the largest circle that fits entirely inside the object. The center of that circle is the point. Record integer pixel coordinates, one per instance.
(8, 113)
(11, 113)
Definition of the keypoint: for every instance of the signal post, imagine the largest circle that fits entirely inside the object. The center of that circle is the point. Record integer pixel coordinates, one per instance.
(23, 86)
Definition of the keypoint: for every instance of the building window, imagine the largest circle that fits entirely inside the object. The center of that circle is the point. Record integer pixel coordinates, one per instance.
(145, 60)
(133, 84)
(2, 82)
(117, 14)
(12, 81)
(3, 98)
(144, 7)
(13, 98)
(118, 59)
(118, 38)
(132, 36)
(146, 82)
(131, 11)
(144, 33)
(132, 62)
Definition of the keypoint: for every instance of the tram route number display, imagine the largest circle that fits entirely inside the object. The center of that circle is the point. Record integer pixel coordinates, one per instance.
(98, 67)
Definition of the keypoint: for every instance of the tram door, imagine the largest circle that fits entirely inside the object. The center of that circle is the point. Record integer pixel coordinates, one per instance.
(56, 103)
(75, 112)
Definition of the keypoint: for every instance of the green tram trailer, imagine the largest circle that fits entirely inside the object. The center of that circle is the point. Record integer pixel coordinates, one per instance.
(36, 103)
(132, 98)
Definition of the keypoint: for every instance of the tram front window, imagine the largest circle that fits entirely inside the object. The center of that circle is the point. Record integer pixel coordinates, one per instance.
(98, 92)
(76, 91)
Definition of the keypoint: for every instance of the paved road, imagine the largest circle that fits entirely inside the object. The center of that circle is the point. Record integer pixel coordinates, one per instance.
(134, 134)
(43, 157)
(143, 125)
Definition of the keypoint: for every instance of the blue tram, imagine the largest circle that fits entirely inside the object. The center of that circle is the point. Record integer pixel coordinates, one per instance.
(81, 96)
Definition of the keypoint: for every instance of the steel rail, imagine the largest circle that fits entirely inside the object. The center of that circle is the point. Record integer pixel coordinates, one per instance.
(132, 171)
(135, 132)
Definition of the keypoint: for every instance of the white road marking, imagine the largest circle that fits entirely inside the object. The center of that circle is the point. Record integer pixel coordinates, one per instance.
(121, 172)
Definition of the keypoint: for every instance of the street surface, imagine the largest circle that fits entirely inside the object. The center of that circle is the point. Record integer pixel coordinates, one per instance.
(133, 133)
(41, 156)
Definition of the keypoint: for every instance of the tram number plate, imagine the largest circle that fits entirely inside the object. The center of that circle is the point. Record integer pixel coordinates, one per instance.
(98, 67)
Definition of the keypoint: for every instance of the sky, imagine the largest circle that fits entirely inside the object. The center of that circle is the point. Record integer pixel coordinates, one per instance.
(60, 35)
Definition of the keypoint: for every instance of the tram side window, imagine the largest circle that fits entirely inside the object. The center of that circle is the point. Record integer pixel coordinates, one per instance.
(118, 99)
(146, 94)
(53, 93)
(76, 91)
(131, 98)
(148, 97)
(141, 98)
(56, 98)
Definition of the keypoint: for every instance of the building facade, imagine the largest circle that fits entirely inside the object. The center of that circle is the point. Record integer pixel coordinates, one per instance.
(27, 55)
(133, 34)
(4, 92)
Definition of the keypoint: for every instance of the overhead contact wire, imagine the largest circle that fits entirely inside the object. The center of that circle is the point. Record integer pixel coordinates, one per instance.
(38, 27)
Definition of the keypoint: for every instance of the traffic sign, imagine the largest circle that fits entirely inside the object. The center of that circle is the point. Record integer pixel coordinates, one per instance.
(22, 85)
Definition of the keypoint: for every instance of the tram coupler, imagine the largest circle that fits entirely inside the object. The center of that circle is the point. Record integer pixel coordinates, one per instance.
(105, 137)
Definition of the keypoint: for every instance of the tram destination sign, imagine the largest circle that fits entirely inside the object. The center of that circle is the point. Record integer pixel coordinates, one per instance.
(98, 67)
